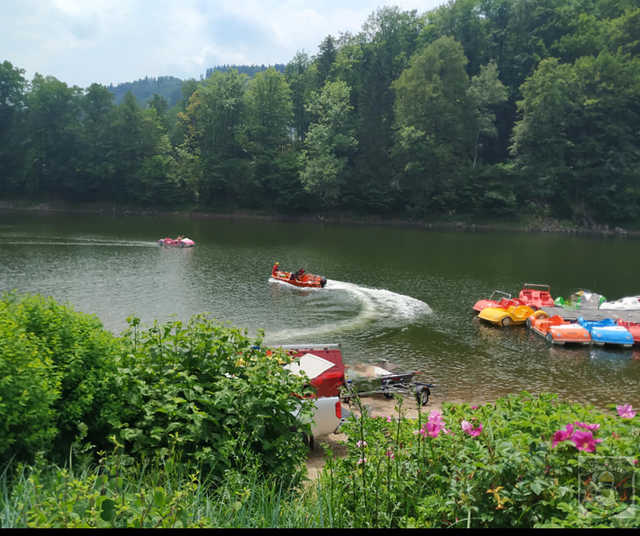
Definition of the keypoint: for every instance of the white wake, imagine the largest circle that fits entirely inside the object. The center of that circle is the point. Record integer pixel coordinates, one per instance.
(376, 305)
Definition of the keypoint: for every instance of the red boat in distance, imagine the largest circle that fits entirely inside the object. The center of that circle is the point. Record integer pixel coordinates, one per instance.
(299, 278)
(180, 242)
(503, 303)
(536, 296)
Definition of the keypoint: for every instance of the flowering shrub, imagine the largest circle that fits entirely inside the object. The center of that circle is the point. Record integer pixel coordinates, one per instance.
(524, 461)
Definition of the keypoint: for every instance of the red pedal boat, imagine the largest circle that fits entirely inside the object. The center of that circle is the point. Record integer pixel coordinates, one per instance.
(505, 301)
(299, 278)
(536, 296)
(180, 242)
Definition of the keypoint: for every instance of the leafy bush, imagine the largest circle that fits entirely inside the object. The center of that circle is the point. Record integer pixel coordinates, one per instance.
(214, 396)
(28, 390)
(79, 356)
(117, 493)
(120, 493)
(521, 462)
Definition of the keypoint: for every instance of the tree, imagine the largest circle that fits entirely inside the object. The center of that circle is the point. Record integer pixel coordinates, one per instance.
(433, 111)
(213, 123)
(329, 142)
(577, 138)
(369, 63)
(96, 159)
(53, 125)
(161, 106)
(325, 59)
(12, 111)
(300, 74)
(268, 110)
(485, 93)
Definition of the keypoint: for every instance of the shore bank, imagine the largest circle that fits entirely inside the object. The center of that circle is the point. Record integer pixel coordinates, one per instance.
(527, 223)
(376, 406)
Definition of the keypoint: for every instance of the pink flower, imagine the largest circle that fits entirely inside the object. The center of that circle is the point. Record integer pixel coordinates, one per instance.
(626, 411)
(469, 429)
(362, 460)
(635, 462)
(361, 443)
(389, 418)
(389, 454)
(562, 435)
(585, 441)
(586, 426)
(474, 407)
(434, 425)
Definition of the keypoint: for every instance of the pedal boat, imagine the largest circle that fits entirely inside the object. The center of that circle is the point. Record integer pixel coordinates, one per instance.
(503, 302)
(176, 242)
(607, 332)
(628, 303)
(633, 327)
(557, 330)
(536, 296)
(303, 281)
(514, 314)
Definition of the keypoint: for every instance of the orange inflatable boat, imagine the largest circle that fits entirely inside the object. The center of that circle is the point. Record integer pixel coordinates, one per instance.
(299, 278)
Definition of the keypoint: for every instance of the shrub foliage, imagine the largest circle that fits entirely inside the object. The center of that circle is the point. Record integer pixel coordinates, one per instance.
(508, 464)
(208, 392)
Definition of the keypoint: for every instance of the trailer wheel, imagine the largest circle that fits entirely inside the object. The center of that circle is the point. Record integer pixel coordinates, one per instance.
(422, 395)
(549, 338)
(308, 441)
(506, 321)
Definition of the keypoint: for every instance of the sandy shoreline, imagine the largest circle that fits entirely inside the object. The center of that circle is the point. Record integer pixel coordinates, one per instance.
(377, 406)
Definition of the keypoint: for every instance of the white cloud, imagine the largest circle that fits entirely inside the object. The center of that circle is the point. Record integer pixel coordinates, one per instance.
(112, 41)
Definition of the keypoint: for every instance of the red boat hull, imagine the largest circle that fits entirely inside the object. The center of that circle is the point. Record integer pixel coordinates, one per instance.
(305, 281)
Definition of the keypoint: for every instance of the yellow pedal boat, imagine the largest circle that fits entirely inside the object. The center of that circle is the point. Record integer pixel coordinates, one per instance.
(515, 314)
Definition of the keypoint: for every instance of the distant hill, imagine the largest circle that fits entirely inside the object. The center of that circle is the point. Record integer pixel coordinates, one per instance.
(168, 87)
(249, 70)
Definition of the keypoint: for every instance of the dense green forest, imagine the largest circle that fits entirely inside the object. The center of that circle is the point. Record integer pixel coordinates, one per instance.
(485, 108)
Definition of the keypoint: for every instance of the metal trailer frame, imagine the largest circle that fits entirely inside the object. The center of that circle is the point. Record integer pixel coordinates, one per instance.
(387, 385)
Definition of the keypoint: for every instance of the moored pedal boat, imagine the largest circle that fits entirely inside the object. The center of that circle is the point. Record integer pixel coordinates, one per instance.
(505, 301)
(607, 332)
(557, 330)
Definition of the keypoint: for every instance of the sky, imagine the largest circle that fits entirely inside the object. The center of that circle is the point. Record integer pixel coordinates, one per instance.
(113, 41)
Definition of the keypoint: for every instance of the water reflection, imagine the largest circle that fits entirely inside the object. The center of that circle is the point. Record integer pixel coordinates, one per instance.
(403, 295)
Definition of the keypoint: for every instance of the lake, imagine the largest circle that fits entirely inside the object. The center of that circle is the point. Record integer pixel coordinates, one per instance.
(398, 294)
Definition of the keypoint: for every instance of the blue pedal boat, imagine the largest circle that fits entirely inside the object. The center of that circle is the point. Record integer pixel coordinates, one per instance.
(607, 332)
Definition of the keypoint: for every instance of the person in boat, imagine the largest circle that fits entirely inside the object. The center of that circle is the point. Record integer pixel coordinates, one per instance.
(299, 274)
(275, 268)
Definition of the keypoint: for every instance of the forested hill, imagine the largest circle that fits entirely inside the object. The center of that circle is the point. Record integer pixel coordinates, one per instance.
(168, 87)
(478, 108)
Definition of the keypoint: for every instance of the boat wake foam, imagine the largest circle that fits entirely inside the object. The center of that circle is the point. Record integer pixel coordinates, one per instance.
(388, 308)
(81, 242)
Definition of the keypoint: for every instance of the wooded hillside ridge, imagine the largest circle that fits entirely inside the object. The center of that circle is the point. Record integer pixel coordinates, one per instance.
(485, 109)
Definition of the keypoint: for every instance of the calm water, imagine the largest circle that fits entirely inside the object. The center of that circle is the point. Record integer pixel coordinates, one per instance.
(403, 295)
